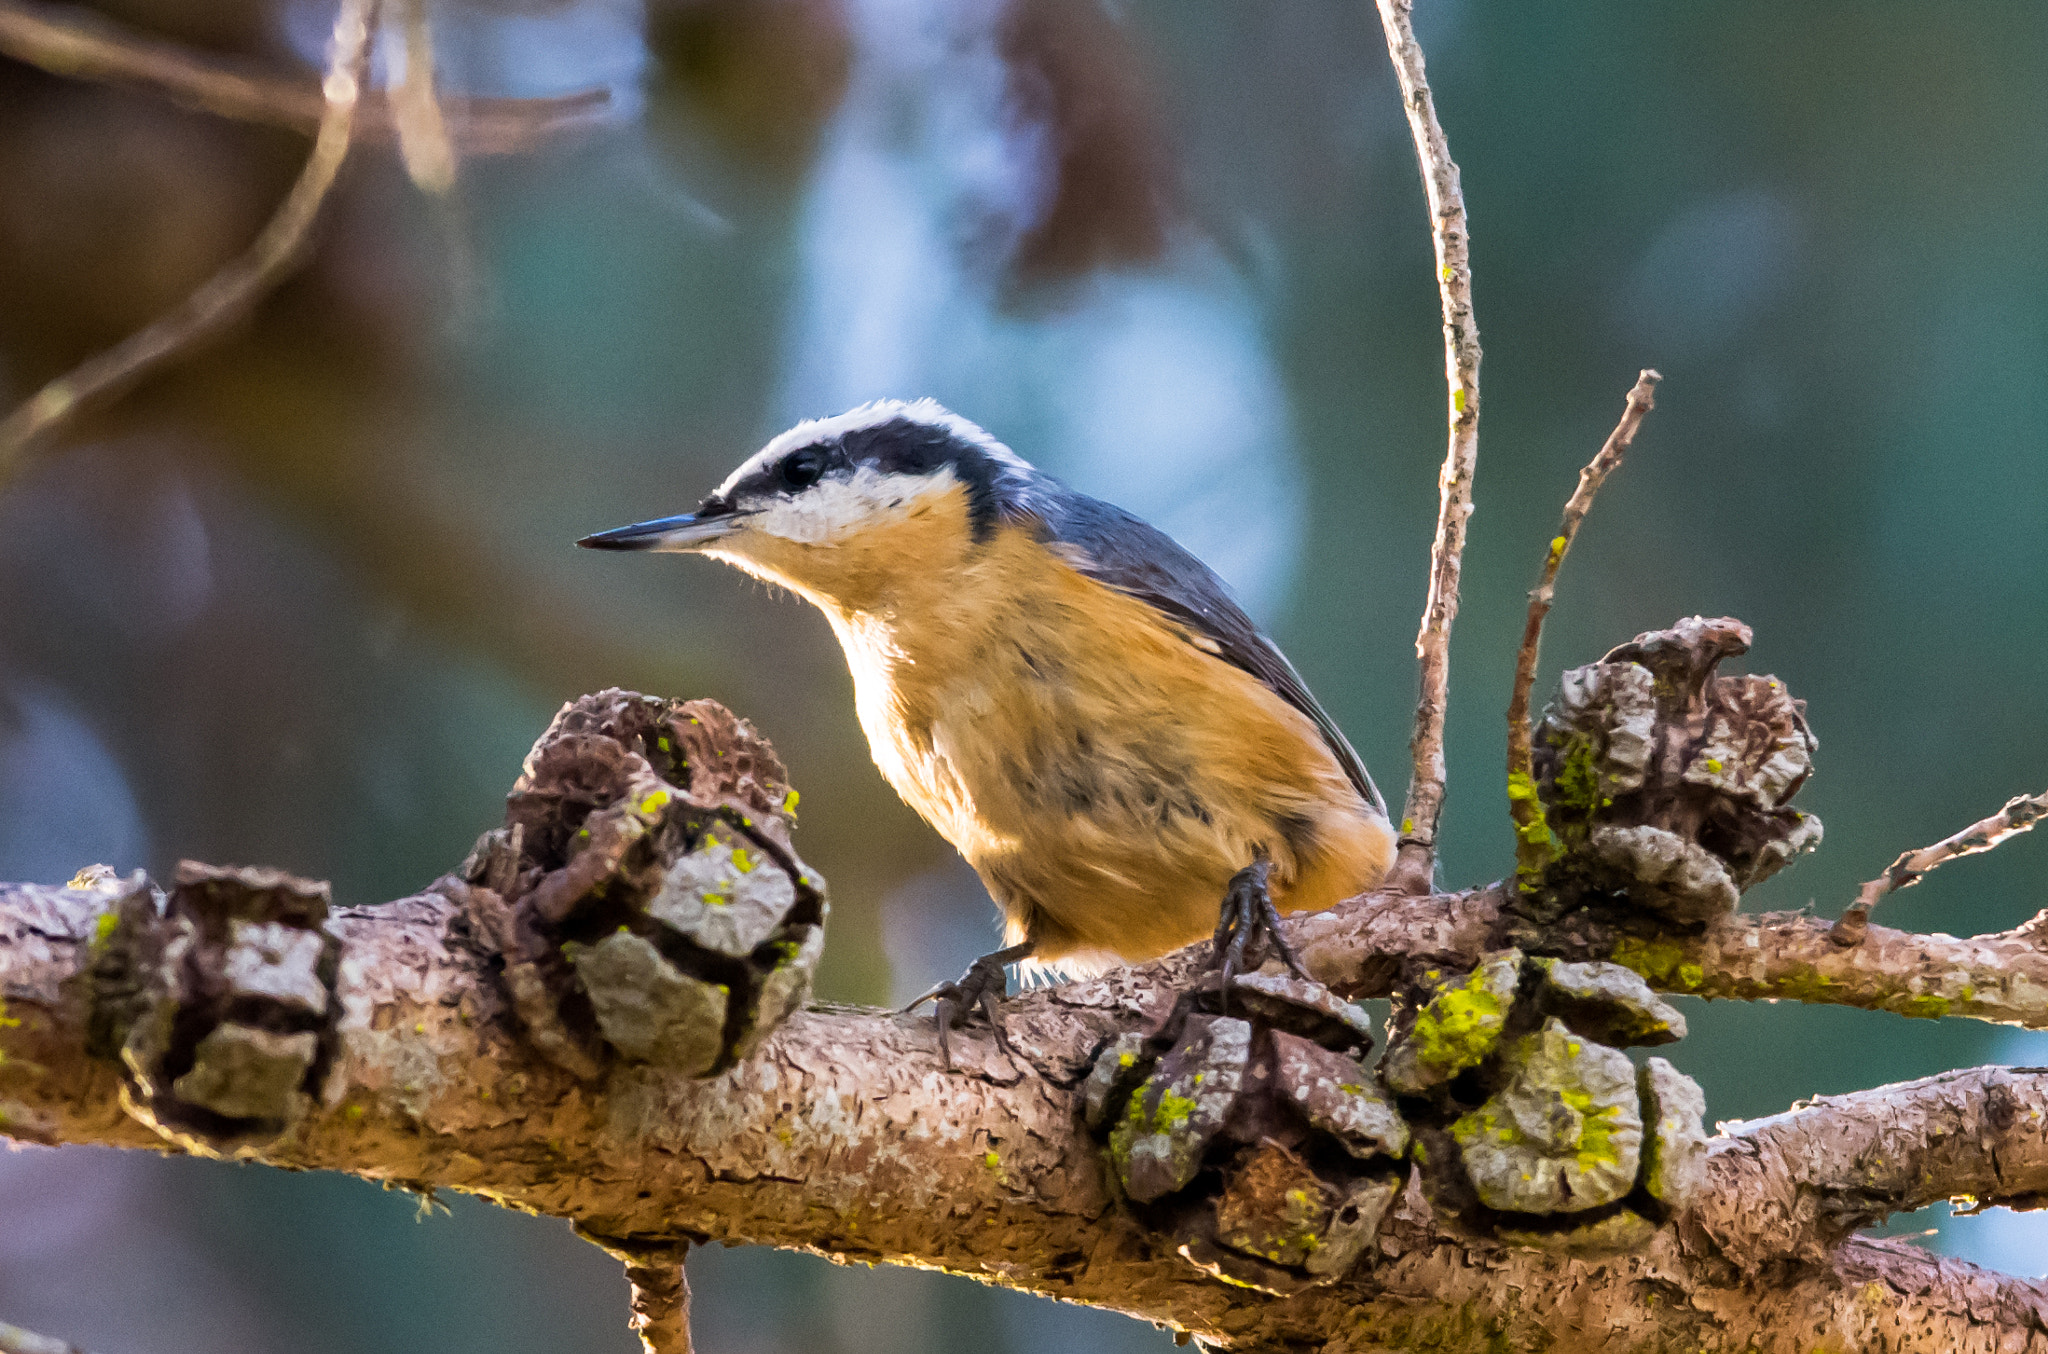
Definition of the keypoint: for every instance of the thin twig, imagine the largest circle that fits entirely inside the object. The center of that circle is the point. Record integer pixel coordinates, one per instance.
(2020, 813)
(229, 293)
(83, 45)
(1534, 845)
(660, 1289)
(1416, 862)
(661, 1306)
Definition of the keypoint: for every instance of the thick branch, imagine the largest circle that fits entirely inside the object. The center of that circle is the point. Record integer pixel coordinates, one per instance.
(1842, 1162)
(1416, 863)
(83, 45)
(845, 1135)
(229, 293)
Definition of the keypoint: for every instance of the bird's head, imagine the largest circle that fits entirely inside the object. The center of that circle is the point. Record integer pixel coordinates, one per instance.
(838, 509)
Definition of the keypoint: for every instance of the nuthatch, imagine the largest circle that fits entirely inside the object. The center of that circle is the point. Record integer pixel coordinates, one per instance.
(1071, 699)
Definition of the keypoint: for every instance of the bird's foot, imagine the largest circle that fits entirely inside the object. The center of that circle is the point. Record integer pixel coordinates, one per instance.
(981, 988)
(1248, 923)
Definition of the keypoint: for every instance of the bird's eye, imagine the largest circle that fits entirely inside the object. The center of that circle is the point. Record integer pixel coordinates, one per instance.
(802, 468)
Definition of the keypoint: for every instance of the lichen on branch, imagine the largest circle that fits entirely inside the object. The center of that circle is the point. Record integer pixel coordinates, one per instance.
(844, 1135)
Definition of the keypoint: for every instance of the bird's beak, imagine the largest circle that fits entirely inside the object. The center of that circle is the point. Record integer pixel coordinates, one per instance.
(691, 531)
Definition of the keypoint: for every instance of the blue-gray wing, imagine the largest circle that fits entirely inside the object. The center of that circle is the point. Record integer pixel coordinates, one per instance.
(1133, 557)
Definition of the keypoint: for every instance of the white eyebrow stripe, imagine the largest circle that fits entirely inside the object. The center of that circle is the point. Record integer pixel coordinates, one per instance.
(834, 506)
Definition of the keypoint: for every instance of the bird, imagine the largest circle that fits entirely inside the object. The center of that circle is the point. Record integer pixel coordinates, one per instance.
(1075, 703)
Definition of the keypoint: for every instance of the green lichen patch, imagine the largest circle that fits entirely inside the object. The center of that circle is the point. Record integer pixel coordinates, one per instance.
(1118, 1070)
(1596, 736)
(1577, 789)
(1536, 846)
(1456, 1028)
(1563, 1135)
(1660, 959)
(1158, 1144)
(1923, 1006)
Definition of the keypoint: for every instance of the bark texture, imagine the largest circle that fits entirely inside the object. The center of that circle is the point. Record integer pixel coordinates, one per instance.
(844, 1135)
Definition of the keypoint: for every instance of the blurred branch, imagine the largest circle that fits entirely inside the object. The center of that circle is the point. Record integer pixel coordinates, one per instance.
(1415, 864)
(229, 293)
(423, 140)
(429, 152)
(80, 44)
(15, 1340)
(1533, 844)
(2019, 815)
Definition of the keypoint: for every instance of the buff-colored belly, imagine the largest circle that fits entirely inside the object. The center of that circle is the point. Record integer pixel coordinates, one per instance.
(1107, 813)
(1102, 771)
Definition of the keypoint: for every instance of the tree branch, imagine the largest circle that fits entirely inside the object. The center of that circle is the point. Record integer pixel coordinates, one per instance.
(2019, 815)
(1369, 946)
(424, 142)
(1842, 1162)
(229, 293)
(1415, 863)
(2000, 977)
(1534, 846)
(845, 1135)
(660, 1291)
(83, 45)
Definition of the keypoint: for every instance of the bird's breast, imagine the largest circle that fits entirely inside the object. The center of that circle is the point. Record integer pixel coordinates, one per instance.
(1102, 773)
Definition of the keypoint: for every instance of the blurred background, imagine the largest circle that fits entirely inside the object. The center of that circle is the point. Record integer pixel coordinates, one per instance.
(305, 599)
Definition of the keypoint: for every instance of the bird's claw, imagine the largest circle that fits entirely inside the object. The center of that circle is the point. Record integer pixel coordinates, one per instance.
(981, 988)
(1247, 924)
